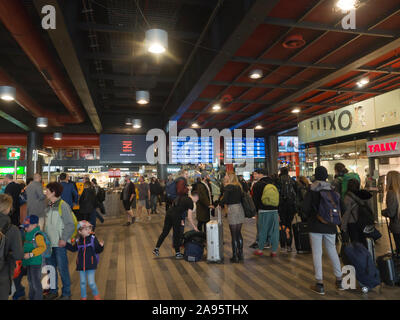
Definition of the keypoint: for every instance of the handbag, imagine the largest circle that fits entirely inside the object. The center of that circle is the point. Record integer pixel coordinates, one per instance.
(248, 205)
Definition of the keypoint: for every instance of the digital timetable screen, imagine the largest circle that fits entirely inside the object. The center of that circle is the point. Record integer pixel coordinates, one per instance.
(237, 148)
(191, 150)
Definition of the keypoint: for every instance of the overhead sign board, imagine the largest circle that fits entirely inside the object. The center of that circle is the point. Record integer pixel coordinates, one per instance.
(10, 170)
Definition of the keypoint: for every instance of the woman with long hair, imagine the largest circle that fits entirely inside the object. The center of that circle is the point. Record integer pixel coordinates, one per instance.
(393, 207)
(232, 197)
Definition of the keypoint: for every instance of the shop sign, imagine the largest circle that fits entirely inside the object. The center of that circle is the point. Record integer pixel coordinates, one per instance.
(114, 173)
(13, 153)
(94, 169)
(385, 147)
(10, 170)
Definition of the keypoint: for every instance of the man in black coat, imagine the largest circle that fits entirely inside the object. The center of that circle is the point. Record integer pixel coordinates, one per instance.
(14, 190)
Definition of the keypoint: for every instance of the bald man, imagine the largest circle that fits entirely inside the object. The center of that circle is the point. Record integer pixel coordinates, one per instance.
(36, 203)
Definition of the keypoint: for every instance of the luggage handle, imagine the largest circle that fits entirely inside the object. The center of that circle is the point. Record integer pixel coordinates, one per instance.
(390, 238)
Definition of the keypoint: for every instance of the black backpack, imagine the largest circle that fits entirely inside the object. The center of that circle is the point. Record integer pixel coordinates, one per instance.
(365, 214)
(287, 190)
(3, 253)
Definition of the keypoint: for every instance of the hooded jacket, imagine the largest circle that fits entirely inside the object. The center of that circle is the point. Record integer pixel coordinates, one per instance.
(311, 207)
(393, 209)
(86, 258)
(351, 206)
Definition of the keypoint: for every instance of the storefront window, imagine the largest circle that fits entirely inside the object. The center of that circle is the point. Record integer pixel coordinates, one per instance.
(77, 154)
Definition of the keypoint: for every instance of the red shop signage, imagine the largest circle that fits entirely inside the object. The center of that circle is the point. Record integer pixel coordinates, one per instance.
(386, 147)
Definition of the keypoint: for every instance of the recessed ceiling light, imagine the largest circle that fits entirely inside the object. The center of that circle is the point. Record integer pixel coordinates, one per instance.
(363, 82)
(195, 125)
(7, 93)
(346, 5)
(216, 107)
(256, 74)
(258, 127)
(296, 110)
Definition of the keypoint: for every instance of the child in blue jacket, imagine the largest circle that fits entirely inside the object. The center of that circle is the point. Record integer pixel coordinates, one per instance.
(88, 248)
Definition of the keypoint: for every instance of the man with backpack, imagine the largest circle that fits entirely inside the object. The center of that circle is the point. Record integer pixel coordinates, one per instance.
(322, 204)
(266, 200)
(342, 178)
(100, 195)
(69, 191)
(287, 207)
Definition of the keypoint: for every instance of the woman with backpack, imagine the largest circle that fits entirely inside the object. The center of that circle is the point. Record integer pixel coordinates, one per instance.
(232, 197)
(353, 202)
(393, 207)
(88, 248)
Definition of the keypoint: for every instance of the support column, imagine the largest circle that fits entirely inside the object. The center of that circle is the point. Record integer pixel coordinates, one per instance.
(35, 141)
(272, 154)
(318, 148)
(162, 171)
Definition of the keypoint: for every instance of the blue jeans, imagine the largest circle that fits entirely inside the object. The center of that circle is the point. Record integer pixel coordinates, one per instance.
(153, 202)
(59, 261)
(91, 281)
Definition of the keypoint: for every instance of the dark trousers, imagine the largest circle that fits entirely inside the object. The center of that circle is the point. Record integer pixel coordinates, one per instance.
(101, 207)
(355, 234)
(35, 282)
(287, 211)
(5, 286)
(171, 222)
(19, 288)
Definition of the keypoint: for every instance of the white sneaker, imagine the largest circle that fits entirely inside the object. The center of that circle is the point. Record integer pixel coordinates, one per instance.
(149, 218)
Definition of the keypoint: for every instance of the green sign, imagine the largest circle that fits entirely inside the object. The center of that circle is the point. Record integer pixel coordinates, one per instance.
(13, 153)
(10, 170)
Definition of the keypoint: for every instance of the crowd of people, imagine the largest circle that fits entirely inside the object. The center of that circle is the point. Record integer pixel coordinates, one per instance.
(51, 227)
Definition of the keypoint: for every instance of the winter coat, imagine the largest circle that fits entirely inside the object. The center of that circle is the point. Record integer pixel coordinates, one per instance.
(393, 209)
(351, 207)
(36, 199)
(202, 206)
(86, 259)
(87, 201)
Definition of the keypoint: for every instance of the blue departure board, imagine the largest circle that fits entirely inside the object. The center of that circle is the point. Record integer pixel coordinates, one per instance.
(192, 150)
(256, 148)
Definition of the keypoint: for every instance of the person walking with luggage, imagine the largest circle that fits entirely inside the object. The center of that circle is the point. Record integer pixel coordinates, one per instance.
(10, 244)
(88, 248)
(59, 226)
(287, 207)
(353, 200)
(317, 202)
(393, 205)
(204, 205)
(232, 197)
(128, 197)
(266, 200)
(174, 220)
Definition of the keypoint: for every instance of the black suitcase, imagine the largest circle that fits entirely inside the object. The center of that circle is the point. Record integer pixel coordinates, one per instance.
(389, 265)
(301, 236)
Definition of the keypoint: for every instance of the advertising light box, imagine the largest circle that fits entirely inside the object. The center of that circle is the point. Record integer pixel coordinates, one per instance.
(288, 144)
(118, 148)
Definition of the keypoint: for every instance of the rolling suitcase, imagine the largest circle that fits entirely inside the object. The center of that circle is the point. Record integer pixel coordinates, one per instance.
(215, 239)
(371, 248)
(301, 237)
(389, 265)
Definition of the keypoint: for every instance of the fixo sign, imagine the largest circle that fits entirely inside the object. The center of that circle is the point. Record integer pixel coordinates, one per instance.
(386, 147)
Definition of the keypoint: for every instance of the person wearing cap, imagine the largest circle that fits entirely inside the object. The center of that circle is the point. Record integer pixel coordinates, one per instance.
(34, 247)
(321, 232)
(88, 247)
(204, 205)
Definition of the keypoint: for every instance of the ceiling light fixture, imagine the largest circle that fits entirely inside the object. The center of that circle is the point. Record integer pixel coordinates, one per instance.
(216, 107)
(256, 74)
(195, 125)
(296, 110)
(42, 122)
(156, 41)
(137, 123)
(57, 135)
(128, 121)
(259, 127)
(142, 97)
(7, 93)
(346, 5)
(363, 82)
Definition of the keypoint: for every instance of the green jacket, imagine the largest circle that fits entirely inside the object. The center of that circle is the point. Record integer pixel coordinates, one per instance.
(29, 246)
